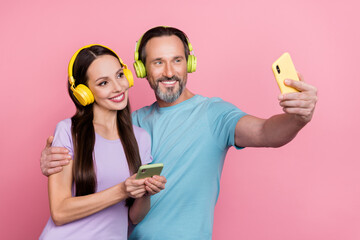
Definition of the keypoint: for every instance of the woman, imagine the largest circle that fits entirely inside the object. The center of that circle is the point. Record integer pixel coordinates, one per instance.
(87, 198)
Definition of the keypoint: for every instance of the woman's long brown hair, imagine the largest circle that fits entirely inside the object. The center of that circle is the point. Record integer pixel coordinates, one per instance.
(83, 132)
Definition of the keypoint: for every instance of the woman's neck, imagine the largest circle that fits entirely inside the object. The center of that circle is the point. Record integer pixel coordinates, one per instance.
(105, 123)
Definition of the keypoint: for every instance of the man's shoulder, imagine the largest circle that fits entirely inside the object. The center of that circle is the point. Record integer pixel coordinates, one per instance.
(210, 101)
(216, 105)
(143, 110)
(204, 99)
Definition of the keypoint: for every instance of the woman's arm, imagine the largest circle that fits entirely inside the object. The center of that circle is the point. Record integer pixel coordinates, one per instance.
(65, 208)
(141, 205)
(139, 209)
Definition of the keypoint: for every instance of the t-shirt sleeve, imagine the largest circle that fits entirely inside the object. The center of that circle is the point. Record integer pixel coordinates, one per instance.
(135, 119)
(63, 137)
(144, 142)
(223, 117)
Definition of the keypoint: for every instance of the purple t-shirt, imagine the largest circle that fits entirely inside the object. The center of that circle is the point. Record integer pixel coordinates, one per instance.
(111, 168)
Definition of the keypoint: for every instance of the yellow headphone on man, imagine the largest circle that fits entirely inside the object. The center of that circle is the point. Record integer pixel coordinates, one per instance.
(81, 92)
(140, 67)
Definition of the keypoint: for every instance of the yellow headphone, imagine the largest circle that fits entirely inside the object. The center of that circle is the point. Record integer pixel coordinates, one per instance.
(140, 67)
(81, 92)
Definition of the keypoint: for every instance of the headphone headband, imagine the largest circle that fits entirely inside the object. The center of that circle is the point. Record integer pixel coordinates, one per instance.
(137, 45)
(72, 60)
(139, 66)
(81, 92)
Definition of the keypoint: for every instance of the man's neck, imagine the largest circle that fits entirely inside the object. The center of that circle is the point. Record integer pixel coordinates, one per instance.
(185, 95)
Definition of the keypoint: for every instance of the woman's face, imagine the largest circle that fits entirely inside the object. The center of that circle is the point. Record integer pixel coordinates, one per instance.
(108, 83)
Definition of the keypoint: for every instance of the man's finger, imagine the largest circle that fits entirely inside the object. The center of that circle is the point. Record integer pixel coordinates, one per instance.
(49, 141)
(54, 150)
(300, 85)
(295, 103)
(301, 78)
(57, 157)
(61, 163)
(51, 171)
(297, 111)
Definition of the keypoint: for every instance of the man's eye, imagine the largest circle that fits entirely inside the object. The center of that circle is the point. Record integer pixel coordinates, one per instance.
(158, 62)
(177, 60)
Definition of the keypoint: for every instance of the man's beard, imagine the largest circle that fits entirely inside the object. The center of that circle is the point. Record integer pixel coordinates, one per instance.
(169, 96)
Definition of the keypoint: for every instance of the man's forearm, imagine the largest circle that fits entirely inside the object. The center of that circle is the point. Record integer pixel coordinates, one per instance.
(281, 129)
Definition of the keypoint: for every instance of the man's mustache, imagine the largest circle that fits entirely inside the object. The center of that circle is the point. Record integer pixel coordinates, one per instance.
(168, 79)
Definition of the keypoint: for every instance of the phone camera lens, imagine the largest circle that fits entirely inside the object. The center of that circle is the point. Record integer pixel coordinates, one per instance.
(278, 69)
(143, 170)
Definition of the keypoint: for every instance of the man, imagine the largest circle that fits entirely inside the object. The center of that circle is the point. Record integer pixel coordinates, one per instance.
(191, 135)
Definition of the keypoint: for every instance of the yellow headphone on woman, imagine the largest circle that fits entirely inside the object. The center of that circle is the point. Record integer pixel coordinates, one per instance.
(81, 92)
(140, 67)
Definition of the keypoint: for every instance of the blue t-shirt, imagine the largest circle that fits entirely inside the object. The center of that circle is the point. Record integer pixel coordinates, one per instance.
(191, 139)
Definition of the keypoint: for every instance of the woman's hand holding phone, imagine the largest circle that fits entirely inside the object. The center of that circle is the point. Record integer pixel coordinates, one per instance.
(155, 184)
(147, 180)
(135, 188)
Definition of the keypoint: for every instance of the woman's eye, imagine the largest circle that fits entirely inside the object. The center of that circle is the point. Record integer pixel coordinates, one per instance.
(120, 75)
(103, 83)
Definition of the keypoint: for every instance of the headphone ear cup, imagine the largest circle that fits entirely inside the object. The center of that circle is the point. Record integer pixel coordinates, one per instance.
(191, 64)
(129, 76)
(139, 69)
(83, 94)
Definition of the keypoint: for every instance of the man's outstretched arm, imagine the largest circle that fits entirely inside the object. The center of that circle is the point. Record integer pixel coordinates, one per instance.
(280, 129)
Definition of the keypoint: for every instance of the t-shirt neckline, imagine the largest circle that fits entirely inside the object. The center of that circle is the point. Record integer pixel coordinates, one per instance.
(186, 102)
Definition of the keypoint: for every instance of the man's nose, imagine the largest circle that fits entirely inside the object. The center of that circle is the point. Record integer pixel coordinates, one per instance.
(168, 71)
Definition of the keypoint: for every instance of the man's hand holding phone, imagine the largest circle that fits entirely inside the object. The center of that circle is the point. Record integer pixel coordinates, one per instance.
(297, 97)
(301, 104)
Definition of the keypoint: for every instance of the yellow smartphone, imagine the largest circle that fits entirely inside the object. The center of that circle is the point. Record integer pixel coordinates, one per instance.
(149, 170)
(283, 68)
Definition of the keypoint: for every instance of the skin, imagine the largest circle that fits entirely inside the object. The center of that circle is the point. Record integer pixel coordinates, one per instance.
(280, 129)
(165, 58)
(106, 81)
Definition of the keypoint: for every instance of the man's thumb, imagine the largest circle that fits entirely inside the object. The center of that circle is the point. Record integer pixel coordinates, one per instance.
(49, 141)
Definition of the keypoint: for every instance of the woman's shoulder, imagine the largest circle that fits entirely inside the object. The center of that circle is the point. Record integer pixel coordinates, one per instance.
(62, 135)
(63, 125)
(143, 139)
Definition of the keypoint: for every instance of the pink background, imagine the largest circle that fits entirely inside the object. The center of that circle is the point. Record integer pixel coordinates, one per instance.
(308, 189)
